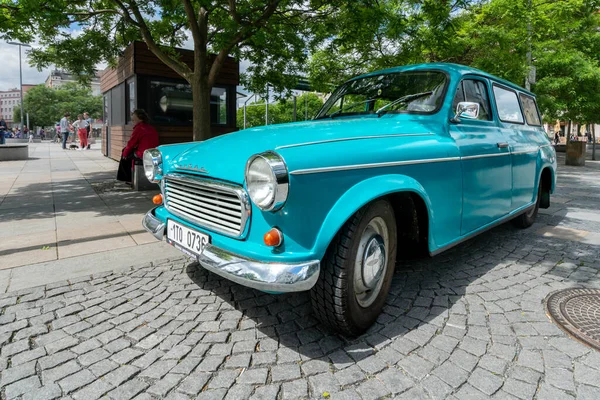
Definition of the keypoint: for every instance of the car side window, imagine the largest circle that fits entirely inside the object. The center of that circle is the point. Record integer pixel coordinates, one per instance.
(508, 106)
(476, 92)
(532, 116)
(458, 97)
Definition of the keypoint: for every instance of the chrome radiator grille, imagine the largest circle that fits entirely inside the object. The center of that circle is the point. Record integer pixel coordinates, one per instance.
(213, 205)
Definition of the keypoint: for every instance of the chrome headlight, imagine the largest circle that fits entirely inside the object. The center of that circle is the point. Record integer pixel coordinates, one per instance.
(152, 164)
(267, 181)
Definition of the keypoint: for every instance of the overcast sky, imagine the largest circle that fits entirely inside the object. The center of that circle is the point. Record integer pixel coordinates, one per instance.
(9, 62)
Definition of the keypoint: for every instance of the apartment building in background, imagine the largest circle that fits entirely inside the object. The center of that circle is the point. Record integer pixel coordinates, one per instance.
(8, 100)
(57, 78)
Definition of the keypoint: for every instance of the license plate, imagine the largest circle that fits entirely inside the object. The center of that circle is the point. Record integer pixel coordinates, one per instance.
(188, 240)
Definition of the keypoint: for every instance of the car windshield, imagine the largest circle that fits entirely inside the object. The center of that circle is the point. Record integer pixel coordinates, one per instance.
(410, 91)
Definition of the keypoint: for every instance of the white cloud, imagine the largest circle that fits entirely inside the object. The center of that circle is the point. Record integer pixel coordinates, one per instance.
(9, 78)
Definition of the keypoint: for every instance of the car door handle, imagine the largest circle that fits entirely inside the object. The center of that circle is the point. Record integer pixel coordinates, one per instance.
(502, 145)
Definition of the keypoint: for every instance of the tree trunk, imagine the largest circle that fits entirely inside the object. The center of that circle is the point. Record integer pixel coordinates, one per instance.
(201, 113)
(200, 86)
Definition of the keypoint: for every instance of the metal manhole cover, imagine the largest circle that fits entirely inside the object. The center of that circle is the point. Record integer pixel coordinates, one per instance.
(577, 311)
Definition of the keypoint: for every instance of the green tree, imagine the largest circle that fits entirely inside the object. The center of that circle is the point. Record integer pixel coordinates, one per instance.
(561, 39)
(274, 35)
(363, 36)
(46, 106)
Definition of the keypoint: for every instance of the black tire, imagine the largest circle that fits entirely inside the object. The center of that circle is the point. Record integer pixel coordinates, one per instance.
(527, 219)
(333, 297)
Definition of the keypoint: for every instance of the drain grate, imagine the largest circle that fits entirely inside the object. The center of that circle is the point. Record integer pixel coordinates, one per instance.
(577, 311)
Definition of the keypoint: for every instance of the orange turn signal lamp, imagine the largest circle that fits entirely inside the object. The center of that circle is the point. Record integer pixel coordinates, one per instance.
(157, 199)
(273, 237)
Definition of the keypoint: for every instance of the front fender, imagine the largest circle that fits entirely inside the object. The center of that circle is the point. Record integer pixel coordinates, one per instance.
(357, 197)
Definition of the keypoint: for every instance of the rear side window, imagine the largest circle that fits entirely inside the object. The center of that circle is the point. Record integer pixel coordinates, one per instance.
(508, 105)
(532, 116)
(474, 91)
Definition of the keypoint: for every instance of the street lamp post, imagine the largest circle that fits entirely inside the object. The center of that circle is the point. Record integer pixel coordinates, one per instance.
(20, 76)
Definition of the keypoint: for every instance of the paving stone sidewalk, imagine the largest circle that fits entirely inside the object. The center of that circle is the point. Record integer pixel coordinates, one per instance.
(468, 324)
(60, 204)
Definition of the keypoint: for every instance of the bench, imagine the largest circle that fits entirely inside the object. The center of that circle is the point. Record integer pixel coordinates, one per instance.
(13, 152)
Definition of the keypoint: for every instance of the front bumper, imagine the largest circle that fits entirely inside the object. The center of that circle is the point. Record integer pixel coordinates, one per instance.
(266, 276)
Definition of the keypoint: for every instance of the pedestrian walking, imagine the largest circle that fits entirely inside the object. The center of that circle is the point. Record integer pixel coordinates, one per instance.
(556, 138)
(42, 134)
(81, 126)
(30, 137)
(64, 129)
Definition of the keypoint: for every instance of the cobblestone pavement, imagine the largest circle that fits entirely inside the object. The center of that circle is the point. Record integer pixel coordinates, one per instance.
(467, 324)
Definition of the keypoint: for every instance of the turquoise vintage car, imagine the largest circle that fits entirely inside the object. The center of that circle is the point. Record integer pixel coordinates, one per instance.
(419, 157)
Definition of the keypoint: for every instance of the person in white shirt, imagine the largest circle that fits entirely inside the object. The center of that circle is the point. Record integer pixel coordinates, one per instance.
(64, 129)
(81, 126)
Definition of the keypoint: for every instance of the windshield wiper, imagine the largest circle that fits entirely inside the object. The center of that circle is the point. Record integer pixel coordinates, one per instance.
(350, 106)
(403, 99)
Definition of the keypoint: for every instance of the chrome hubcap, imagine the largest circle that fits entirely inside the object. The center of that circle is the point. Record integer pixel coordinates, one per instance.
(371, 262)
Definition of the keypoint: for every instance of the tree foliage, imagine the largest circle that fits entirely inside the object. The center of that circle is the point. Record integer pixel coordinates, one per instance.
(46, 106)
(273, 35)
(562, 37)
(367, 35)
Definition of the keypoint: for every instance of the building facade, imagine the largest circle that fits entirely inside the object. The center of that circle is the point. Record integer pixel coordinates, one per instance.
(8, 100)
(58, 78)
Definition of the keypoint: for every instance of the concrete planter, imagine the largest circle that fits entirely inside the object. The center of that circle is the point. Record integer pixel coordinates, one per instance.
(13, 140)
(12, 152)
(576, 154)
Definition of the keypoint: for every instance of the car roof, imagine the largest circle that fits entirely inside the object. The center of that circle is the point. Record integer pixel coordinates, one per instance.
(457, 69)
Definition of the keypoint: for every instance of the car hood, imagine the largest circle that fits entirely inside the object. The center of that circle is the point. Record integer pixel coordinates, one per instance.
(225, 157)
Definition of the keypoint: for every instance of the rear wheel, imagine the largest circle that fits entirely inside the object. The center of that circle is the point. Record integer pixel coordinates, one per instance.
(357, 270)
(527, 219)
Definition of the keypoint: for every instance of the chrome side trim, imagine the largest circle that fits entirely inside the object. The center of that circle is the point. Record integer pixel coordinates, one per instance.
(287, 146)
(154, 225)
(485, 156)
(266, 276)
(237, 190)
(408, 162)
(526, 151)
(373, 165)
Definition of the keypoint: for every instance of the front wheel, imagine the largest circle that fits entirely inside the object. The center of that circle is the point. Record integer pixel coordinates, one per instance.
(357, 270)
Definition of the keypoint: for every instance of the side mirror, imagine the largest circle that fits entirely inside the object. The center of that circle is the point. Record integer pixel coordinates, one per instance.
(466, 109)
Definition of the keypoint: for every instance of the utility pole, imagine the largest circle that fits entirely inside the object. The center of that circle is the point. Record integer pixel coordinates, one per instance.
(295, 104)
(267, 107)
(306, 108)
(20, 76)
(245, 103)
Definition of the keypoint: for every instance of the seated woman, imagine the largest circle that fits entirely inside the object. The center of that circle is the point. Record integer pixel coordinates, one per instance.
(143, 137)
